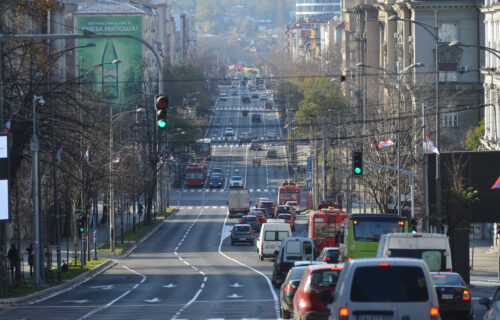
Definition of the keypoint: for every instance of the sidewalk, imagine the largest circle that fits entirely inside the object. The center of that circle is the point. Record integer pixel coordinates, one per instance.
(484, 260)
(67, 249)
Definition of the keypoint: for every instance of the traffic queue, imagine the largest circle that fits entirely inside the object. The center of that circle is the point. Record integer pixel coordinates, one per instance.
(354, 266)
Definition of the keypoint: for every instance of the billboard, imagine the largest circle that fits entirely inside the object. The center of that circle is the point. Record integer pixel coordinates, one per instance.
(481, 170)
(120, 83)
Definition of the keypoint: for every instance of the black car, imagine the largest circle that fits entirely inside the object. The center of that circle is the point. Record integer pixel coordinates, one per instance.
(256, 117)
(283, 209)
(267, 206)
(215, 181)
(454, 296)
(242, 233)
(288, 289)
(329, 255)
(251, 220)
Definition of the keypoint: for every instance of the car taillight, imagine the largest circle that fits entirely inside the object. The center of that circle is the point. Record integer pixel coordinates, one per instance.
(326, 259)
(383, 264)
(290, 287)
(448, 270)
(466, 295)
(349, 258)
(344, 313)
(434, 312)
(251, 233)
(233, 234)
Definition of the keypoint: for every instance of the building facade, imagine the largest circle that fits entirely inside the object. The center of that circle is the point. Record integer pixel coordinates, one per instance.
(311, 8)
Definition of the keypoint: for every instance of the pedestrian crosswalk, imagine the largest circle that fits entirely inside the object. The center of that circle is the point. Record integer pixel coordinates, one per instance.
(225, 190)
(243, 107)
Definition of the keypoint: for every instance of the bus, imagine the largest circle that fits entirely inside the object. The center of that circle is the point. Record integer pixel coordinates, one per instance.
(362, 233)
(289, 192)
(202, 148)
(195, 176)
(325, 227)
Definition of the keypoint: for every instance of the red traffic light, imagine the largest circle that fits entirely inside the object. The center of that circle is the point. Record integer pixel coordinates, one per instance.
(162, 102)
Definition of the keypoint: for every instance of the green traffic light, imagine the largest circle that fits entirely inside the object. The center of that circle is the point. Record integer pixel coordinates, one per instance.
(162, 123)
(82, 229)
(357, 170)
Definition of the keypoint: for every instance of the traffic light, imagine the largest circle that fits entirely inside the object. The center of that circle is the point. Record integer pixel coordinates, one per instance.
(81, 224)
(161, 111)
(357, 163)
(413, 225)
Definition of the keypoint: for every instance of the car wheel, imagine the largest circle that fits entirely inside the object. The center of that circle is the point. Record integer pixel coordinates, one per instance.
(285, 314)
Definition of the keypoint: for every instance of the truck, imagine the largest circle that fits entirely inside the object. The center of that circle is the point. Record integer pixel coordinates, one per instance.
(203, 149)
(238, 202)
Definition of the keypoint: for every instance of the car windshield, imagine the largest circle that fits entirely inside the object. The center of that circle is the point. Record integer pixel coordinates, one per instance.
(194, 175)
(284, 216)
(370, 229)
(447, 279)
(435, 259)
(241, 228)
(236, 178)
(256, 213)
(249, 219)
(389, 284)
(332, 254)
(276, 235)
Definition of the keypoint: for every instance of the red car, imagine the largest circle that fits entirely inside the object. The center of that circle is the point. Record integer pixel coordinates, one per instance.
(288, 217)
(315, 294)
(259, 214)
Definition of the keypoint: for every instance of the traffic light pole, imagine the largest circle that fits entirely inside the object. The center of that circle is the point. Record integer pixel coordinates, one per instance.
(408, 173)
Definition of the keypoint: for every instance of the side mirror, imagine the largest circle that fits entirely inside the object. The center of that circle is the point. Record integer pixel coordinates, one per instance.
(485, 302)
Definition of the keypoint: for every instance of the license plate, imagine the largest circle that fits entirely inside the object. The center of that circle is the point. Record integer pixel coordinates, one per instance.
(243, 238)
(269, 247)
(447, 296)
(373, 317)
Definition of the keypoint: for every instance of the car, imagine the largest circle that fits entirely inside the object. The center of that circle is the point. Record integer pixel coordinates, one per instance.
(293, 205)
(255, 145)
(251, 220)
(215, 181)
(247, 137)
(217, 171)
(401, 287)
(315, 292)
(261, 215)
(454, 296)
(273, 134)
(245, 98)
(282, 208)
(292, 249)
(266, 205)
(255, 95)
(229, 131)
(272, 153)
(236, 182)
(223, 97)
(288, 289)
(242, 233)
(329, 255)
(492, 305)
(268, 105)
(288, 217)
(256, 117)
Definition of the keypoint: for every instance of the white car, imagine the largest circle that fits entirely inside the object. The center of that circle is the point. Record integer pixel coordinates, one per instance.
(229, 132)
(236, 182)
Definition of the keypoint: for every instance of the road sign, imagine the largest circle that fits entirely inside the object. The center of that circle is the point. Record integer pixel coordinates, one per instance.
(309, 164)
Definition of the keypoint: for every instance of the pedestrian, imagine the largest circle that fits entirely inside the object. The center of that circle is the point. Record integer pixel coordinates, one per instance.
(30, 258)
(13, 256)
(259, 162)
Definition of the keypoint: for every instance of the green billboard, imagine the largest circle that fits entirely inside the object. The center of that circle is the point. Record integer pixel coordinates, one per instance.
(113, 66)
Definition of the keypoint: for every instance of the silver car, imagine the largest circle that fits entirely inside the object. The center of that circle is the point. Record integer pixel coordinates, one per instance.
(236, 182)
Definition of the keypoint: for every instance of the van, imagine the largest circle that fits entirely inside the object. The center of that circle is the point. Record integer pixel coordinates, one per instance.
(292, 249)
(385, 288)
(433, 248)
(270, 237)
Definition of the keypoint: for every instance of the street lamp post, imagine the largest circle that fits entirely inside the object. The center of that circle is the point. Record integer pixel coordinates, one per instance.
(397, 76)
(433, 31)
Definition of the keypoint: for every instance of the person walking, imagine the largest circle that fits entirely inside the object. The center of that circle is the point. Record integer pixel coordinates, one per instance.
(13, 256)
(30, 258)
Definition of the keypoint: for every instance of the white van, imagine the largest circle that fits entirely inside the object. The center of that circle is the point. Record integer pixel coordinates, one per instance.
(270, 237)
(385, 288)
(433, 248)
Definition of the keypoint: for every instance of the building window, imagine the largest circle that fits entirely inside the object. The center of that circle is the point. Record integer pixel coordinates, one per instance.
(447, 76)
(449, 120)
(447, 32)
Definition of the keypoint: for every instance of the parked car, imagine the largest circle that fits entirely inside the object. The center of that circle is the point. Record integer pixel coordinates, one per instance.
(288, 217)
(236, 182)
(242, 233)
(401, 287)
(329, 255)
(454, 296)
(272, 153)
(251, 220)
(315, 293)
(229, 131)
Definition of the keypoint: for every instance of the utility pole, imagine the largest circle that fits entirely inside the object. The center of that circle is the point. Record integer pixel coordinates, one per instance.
(324, 164)
(35, 148)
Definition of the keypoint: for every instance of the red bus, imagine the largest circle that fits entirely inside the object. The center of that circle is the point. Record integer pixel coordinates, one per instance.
(289, 192)
(195, 175)
(325, 227)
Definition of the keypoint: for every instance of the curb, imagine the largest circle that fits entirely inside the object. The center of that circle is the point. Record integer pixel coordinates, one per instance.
(84, 277)
(63, 287)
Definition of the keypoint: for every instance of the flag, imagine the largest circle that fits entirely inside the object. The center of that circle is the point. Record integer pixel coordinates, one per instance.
(430, 146)
(385, 144)
(286, 125)
(375, 149)
(87, 154)
(116, 159)
(497, 184)
(59, 153)
(6, 127)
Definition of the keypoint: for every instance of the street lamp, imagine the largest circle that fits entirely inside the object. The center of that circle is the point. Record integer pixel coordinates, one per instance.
(433, 31)
(397, 76)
